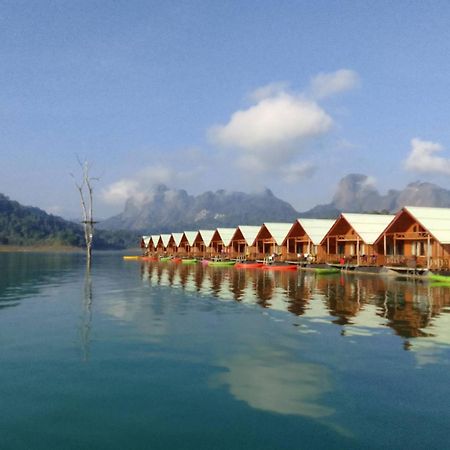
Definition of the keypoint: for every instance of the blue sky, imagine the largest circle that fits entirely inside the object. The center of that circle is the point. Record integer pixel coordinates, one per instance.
(212, 94)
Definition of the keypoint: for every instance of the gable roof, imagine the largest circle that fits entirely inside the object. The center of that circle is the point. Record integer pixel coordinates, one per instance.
(226, 234)
(155, 239)
(316, 229)
(165, 239)
(249, 232)
(368, 226)
(177, 238)
(278, 231)
(190, 236)
(434, 220)
(146, 240)
(206, 235)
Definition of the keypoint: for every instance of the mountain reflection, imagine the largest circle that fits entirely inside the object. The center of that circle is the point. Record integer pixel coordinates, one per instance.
(360, 305)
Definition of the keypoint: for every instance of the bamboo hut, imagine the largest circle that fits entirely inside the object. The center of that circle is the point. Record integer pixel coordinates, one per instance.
(351, 239)
(417, 237)
(220, 242)
(202, 243)
(242, 242)
(270, 238)
(303, 240)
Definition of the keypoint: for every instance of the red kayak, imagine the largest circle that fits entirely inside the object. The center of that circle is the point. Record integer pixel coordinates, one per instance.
(251, 265)
(176, 260)
(149, 258)
(279, 267)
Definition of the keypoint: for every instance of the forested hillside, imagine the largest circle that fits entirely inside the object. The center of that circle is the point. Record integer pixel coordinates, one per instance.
(25, 225)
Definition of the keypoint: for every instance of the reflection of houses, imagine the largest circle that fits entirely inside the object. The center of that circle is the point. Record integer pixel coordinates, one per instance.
(242, 242)
(305, 237)
(220, 241)
(202, 242)
(352, 237)
(270, 239)
(161, 247)
(417, 236)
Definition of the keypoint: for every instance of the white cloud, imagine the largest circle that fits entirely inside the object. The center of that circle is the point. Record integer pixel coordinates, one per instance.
(273, 122)
(138, 187)
(296, 172)
(327, 84)
(280, 127)
(423, 158)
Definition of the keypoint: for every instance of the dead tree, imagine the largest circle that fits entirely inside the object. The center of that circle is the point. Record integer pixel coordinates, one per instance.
(85, 190)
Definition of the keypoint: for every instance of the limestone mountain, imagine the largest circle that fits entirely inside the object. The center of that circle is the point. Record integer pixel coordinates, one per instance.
(171, 210)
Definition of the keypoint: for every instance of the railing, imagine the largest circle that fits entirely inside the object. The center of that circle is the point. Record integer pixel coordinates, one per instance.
(364, 260)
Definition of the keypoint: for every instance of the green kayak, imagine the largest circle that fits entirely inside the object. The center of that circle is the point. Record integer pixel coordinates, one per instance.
(221, 263)
(165, 258)
(326, 271)
(439, 278)
(188, 261)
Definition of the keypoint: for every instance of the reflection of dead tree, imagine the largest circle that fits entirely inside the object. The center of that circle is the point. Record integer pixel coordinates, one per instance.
(85, 189)
(86, 318)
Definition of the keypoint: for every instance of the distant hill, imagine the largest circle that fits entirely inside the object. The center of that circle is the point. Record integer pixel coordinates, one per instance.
(26, 225)
(356, 193)
(169, 210)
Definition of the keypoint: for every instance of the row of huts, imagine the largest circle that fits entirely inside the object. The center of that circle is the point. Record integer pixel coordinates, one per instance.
(415, 236)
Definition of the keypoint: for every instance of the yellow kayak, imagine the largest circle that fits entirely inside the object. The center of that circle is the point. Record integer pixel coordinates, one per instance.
(132, 257)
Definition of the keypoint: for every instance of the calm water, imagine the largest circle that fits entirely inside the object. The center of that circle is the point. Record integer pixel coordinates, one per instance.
(148, 356)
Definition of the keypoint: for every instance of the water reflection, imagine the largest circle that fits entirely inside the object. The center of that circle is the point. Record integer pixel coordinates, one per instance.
(360, 305)
(272, 381)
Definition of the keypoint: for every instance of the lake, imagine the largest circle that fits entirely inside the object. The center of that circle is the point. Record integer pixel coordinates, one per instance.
(162, 356)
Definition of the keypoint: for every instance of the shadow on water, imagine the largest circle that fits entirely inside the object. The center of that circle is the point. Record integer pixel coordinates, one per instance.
(355, 303)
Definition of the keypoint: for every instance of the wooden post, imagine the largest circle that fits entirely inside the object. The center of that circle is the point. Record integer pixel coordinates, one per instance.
(428, 251)
(357, 250)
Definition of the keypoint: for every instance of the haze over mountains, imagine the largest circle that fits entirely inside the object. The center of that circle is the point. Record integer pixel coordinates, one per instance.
(169, 210)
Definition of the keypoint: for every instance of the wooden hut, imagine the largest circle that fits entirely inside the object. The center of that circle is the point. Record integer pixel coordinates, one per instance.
(220, 242)
(418, 236)
(242, 242)
(145, 240)
(163, 242)
(174, 243)
(202, 242)
(270, 238)
(154, 238)
(304, 238)
(351, 239)
(186, 247)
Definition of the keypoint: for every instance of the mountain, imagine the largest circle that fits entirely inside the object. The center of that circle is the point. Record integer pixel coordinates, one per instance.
(356, 193)
(170, 210)
(167, 210)
(26, 225)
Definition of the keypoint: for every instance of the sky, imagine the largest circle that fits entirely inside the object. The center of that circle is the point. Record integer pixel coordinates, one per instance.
(207, 95)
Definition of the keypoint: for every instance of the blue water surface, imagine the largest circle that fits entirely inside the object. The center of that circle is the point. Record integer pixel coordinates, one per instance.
(135, 355)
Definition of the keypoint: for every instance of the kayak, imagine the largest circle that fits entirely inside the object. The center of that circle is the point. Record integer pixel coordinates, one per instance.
(188, 261)
(165, 258)
(132, 257)
(221, 263)
(248, 265)
(279, 267)
(439, 278)
(149, 258)
(177, 260)
(325, 271)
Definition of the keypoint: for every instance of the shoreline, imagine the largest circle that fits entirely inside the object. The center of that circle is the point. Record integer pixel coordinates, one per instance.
(40, 249)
